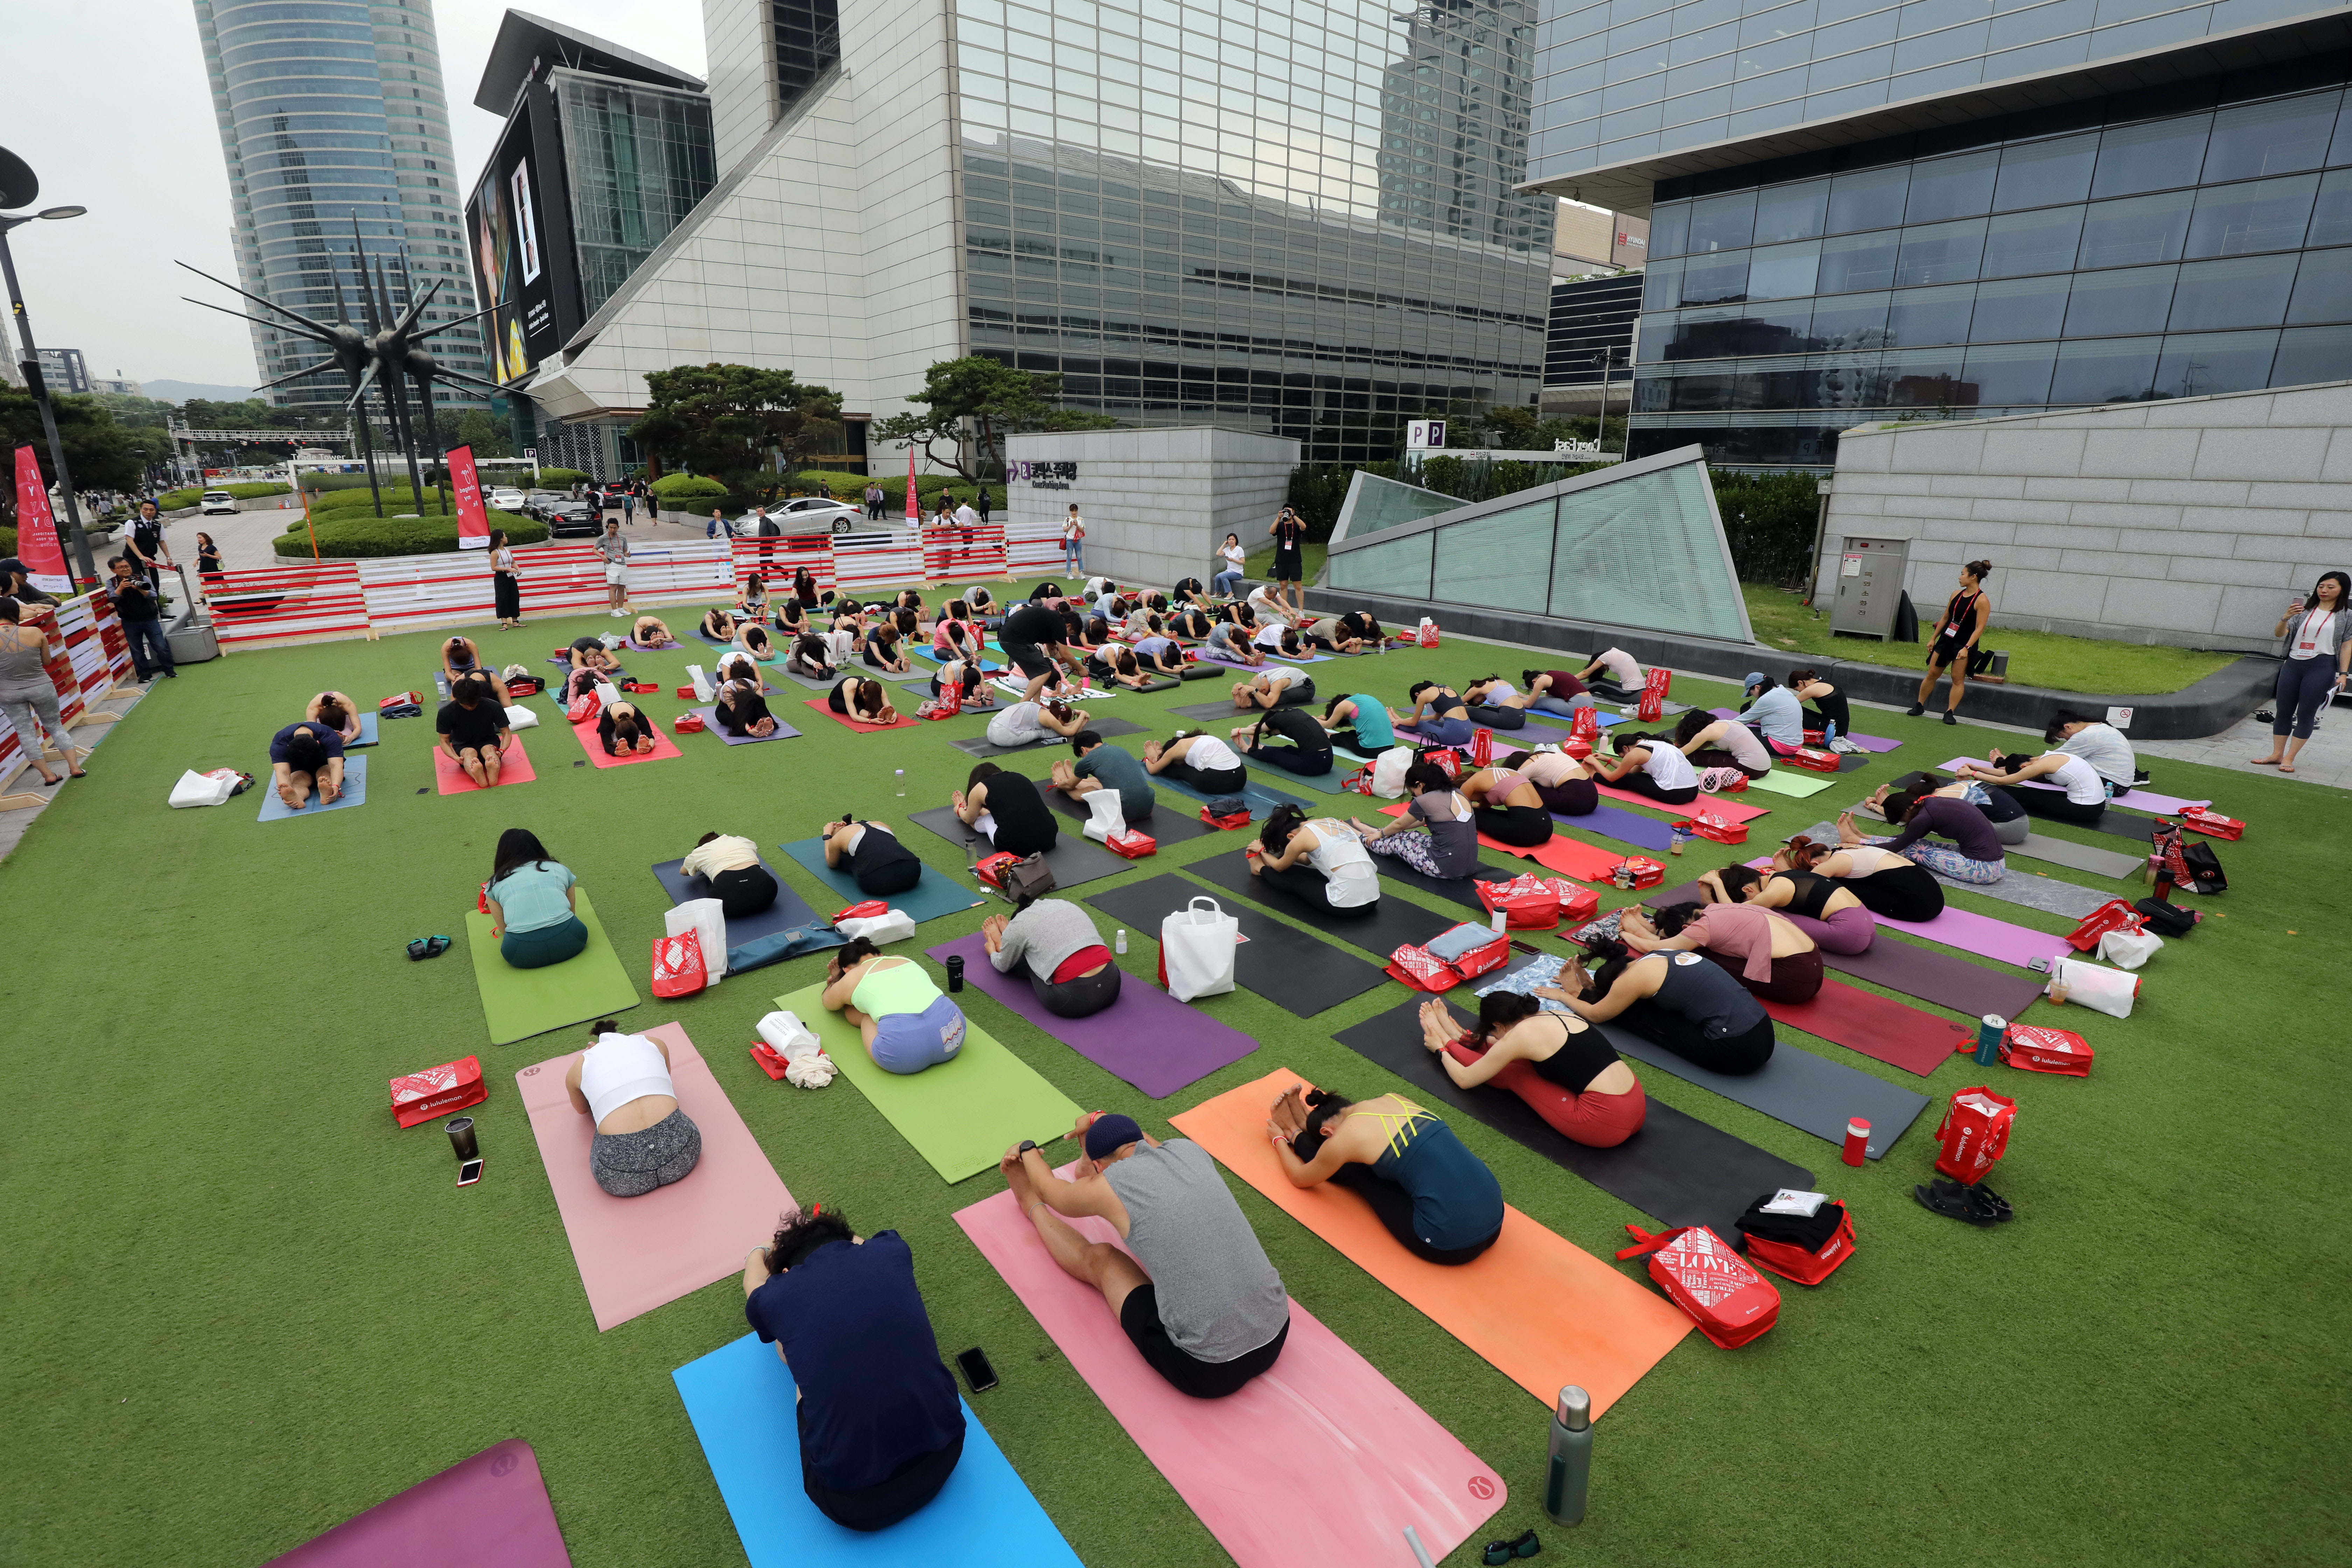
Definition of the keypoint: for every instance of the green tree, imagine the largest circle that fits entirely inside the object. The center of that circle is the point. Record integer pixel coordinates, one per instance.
(970, 405)
(489, 436)
(101, 453)
(724, 420)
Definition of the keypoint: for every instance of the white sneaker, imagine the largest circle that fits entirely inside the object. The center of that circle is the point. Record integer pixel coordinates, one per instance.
(618, 613)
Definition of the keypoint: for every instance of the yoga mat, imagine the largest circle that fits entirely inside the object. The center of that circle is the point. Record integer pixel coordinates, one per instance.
(934, 894)
(1074, 859)
(709, 717)
(1795, 782)
(824, 706)
(1263, 798)
(514, 768)
(1392, 923)
(1463, 891)
(783, 671)
(520, 1003)
(1986, 937)
(981, 746)
(987, 665)
(959, 1116)
(739, 1398)
(1169, 822)
(2031, 889)
(1320, 1459)
(1676, 1169)
(2078, 856)
(636, 1254)
(1640, 832)
(790, 909)
(1723, 805)
(1811, 1093)
(488, 1511)
(594, 745)
(1568, 856)
(1210, 712)
(274, 809)
(1147, 1038)
(1270, 658)
(1280, 962)
(368, 736)
(2139, 797)
(1877, 1027)
(1540, 1310)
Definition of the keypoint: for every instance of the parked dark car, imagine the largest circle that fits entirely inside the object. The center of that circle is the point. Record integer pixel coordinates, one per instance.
(573, 517)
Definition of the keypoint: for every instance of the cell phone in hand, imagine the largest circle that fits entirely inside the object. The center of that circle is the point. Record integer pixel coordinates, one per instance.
(976, 1370)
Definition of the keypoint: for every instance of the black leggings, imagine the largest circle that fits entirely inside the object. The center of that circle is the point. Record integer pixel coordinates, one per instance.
(1290, 759)
(1208, 781)
(1716, 757)
(882, 1505)
(2052, 804)
(1079, 998)
(1521, 826)
(1899, 892)
(2301, 695)
(738, 717)
(1639, 782)
(745, 891)
(1733, 1055)
(1498, 718)
(1576, 797)
(1303, 882)
(1355, 742)
(881, 865)
(1393, 1205)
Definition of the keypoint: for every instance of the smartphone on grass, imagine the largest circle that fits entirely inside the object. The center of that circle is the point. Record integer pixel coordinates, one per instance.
(976, 1370)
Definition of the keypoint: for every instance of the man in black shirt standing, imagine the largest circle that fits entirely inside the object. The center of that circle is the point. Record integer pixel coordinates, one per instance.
(145, 546)
(1033, 638)
(142, 620)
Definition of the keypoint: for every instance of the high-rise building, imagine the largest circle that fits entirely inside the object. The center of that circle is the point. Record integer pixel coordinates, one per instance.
(1302, 218)
(332, 112)
(1945, 209)
(64, 371)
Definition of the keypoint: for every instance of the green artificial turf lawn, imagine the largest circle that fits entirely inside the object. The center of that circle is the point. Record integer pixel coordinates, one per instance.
(244, 1305)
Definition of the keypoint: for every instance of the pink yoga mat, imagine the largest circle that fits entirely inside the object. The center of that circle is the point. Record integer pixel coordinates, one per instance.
(591, 744)
(514, 767)
(2136, 800)
(1320, 1460)
(1973, 932)
(635, 1253)
(491, 1511)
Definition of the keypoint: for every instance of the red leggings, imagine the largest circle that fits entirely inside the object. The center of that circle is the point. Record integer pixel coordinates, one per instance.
(1595, 1121)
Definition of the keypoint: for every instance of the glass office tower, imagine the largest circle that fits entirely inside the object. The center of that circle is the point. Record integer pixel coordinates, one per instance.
(637, 158)
(328, 111)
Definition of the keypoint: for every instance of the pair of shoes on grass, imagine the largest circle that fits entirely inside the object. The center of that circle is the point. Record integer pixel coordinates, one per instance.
(1955, 1200)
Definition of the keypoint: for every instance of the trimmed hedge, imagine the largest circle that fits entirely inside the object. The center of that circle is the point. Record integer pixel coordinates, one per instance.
(686, 486)
(558, 478)
(1769, 520)
(172, 500)
(348, 533)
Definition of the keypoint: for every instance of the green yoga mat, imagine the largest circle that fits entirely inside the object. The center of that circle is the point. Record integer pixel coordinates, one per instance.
(962, 1115)
(1797, 783)
(520, 1003)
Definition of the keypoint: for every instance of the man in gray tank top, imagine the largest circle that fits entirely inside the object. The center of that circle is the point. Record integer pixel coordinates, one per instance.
(1198, 1298)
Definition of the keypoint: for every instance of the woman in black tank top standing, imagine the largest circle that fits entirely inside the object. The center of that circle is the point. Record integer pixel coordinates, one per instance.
(1965, 618)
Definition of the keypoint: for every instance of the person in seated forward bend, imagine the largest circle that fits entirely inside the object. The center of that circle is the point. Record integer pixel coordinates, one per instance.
(731, 864)
(532, 896)
(906, 1022)
(473, 730)
(1887, 883)
(881, 1429)
(1198, 1299)
(1007, 810)
(1976, 853)
(1307, 755)
(865, 700)
(1509, 808)
(719, 624)
(1438, 1199)
(1759, 947)
(1447, 721)
(1324, 862)
(741, 709)
(1101, 766)
(1200, 759)
(1556, 1062)
(642, 1140)
(1614, 674)
(624, 730)
(1564, 784)
(1711, 743)
(1027, 721)
(1436, 834)
(651, 631)
(1648, 765)
(1830, 913)
(462, 657)
(872, 856)
(1699, 1012)
(1359, 723)
(753, 638)
(2080, 797)
(336, 712)
(1054, 943)
(304, 759)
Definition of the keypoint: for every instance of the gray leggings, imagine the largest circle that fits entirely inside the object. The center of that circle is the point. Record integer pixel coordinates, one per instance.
(631, 1165)
(22, 710)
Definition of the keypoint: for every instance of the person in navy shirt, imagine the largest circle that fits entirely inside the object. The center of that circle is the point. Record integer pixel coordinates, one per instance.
(880, 1425)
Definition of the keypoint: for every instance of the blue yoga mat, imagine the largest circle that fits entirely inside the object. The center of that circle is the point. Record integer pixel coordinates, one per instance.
(934, 896)
(368, 736)
(739, 1399)
(354, 792)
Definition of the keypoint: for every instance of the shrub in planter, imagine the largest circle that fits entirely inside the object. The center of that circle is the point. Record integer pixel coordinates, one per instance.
(346, 532)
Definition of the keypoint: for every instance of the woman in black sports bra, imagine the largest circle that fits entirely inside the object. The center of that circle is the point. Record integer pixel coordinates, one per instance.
(1448, 723)
(1829, 706)
(1965, 620)
(1559, 1063)
(1832, 914)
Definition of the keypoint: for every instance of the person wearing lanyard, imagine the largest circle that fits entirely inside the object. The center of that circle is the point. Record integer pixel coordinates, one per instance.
(506, 588)
(2317, 657)
(1289, 572)
(1965, 620)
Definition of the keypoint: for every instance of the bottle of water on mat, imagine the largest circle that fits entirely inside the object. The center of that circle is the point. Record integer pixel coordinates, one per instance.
(1570, 1469)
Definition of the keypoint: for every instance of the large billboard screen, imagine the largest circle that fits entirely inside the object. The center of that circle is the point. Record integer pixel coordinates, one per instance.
(504, 227)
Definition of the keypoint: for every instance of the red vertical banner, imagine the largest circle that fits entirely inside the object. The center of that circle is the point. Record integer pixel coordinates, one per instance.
(914, 506)
(37, 529)
(465, 486)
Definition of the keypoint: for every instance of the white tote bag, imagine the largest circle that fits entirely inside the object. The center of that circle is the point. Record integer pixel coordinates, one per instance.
(1197, 946)
(204, 789)
(521, 718)
(706, 917)
(2129, 949)
(2102, 990)
(1110, 815)
(1388, 772)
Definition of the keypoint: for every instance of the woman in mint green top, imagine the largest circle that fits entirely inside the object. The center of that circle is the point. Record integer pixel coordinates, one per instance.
(906, 1021)
(530, 900)
(1359, 723)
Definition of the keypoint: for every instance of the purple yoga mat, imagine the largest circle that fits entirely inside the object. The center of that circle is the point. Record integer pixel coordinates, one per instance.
(2135, 800)
(1980, 934)
(711, 724)
(490, 1512)
(1624, 826)
(1147, 1037)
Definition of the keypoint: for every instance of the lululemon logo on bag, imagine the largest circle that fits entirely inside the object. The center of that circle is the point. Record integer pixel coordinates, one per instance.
(1481, 1487)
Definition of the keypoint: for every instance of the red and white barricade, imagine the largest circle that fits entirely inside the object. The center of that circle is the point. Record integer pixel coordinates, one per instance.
(778, 559)
(323, 599)
(956, 554)
(863, 563)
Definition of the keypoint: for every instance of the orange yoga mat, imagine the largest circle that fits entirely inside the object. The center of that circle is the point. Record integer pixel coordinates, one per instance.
(514, 767)
(1543, 1311)
(1568, 856)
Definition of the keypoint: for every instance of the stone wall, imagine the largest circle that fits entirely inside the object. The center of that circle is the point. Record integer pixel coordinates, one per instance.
(1157, 501)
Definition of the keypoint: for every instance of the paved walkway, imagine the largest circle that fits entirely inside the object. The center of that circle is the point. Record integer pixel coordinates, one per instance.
(28, 783)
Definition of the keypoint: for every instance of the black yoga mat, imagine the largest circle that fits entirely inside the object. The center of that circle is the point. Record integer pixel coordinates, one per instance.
(981, 746)
(1394, 922)
(1209, 712)
(1284, 966)
(1676, 1169)
(1169, 822)
(1460, 891)
(1073, 860)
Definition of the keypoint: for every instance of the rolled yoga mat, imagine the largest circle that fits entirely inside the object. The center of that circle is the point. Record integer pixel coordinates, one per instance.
(981, 746)
(1540, 1310)
(959, 1116)
(1322, 1424)
(488, 1511)
(636, 1254)
(273, 809)
(1147, 1037)
(741, 1399)
(1074, 859)
(520, 1003)
(936, 894)
(1392, 923)
(1282, 963)
(1676, 1169)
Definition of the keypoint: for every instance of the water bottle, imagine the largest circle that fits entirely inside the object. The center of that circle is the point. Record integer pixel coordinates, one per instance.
(1121, 940)
(1571, 1470)
(900, 776)
(1990, 1030)
(1829, 736)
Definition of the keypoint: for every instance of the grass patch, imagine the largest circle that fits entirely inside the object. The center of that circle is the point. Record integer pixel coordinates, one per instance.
(2035, 658)
(1259, 565)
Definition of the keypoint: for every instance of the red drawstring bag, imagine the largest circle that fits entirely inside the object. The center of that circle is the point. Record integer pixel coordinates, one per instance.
(1446, 757)
(1428, 637)
(453, 1085)
(1814, 761)
(688, 724)
(1709, 827)
(1702, 1274)
(584, 707)
(864, 910)
(2203, 819)
(2112, 915)
(1975, 1133)
(1584, 725)
(1482, 747)
(679, 969)
(1576, 905)
(1131, 845)
(1652, 705)
(769, 1061)
(1790, 1261)
(2037, 1050)
(1418, 969)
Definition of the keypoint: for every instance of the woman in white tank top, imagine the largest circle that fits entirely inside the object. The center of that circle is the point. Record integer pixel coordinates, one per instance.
(1323, 862)
(642, 1140)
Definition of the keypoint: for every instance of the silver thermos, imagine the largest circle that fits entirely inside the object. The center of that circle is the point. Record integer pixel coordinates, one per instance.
(1571, 1470)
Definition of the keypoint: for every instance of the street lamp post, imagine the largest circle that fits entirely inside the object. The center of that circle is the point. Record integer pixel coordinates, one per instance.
(19, 187)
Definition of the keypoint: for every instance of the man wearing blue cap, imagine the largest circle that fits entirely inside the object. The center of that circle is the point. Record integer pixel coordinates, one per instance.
(1198, 1299)
(1775, 713)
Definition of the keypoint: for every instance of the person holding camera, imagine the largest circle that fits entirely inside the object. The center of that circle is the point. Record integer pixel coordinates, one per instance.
(2317, 657)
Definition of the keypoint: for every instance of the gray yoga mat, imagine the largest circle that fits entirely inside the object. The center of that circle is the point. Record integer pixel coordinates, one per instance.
(2029, 890)
(1074, 860)
(981, 746)
(1169, 822)
(2078, 856)
(1262, 798)
(1210, 712)
(1298, 972)
(1811, 1093)
(1393, 923)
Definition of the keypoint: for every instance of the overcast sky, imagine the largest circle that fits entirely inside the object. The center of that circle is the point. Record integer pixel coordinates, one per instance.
(107, 101)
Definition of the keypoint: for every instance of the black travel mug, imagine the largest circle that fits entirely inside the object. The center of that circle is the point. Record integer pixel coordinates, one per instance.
(955, 973)
(461, 1137)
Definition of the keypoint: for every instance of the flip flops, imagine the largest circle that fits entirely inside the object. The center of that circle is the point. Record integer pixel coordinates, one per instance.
(1976, 1205)
(428, 947)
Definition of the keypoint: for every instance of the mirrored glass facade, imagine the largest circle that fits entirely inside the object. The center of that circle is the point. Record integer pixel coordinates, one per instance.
(637, 158)
(2189, 240)
(1296, 218)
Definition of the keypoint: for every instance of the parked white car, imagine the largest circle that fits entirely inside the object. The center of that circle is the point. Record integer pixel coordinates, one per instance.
(216, 501)
(806, 514)
(506, 498)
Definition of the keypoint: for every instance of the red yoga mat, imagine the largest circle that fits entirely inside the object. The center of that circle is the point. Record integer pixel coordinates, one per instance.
(514, 767)
(594, 744)
(1568, 856)
(824, 706)
(1724, 806)
(490, 1512)
(1880, 1028)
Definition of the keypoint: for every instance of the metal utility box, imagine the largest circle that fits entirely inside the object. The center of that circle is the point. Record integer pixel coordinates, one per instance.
(1869, 585)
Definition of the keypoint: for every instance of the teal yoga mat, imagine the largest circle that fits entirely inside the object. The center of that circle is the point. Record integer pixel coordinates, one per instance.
(354, 792)
(739, 1399)
(934, 896)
